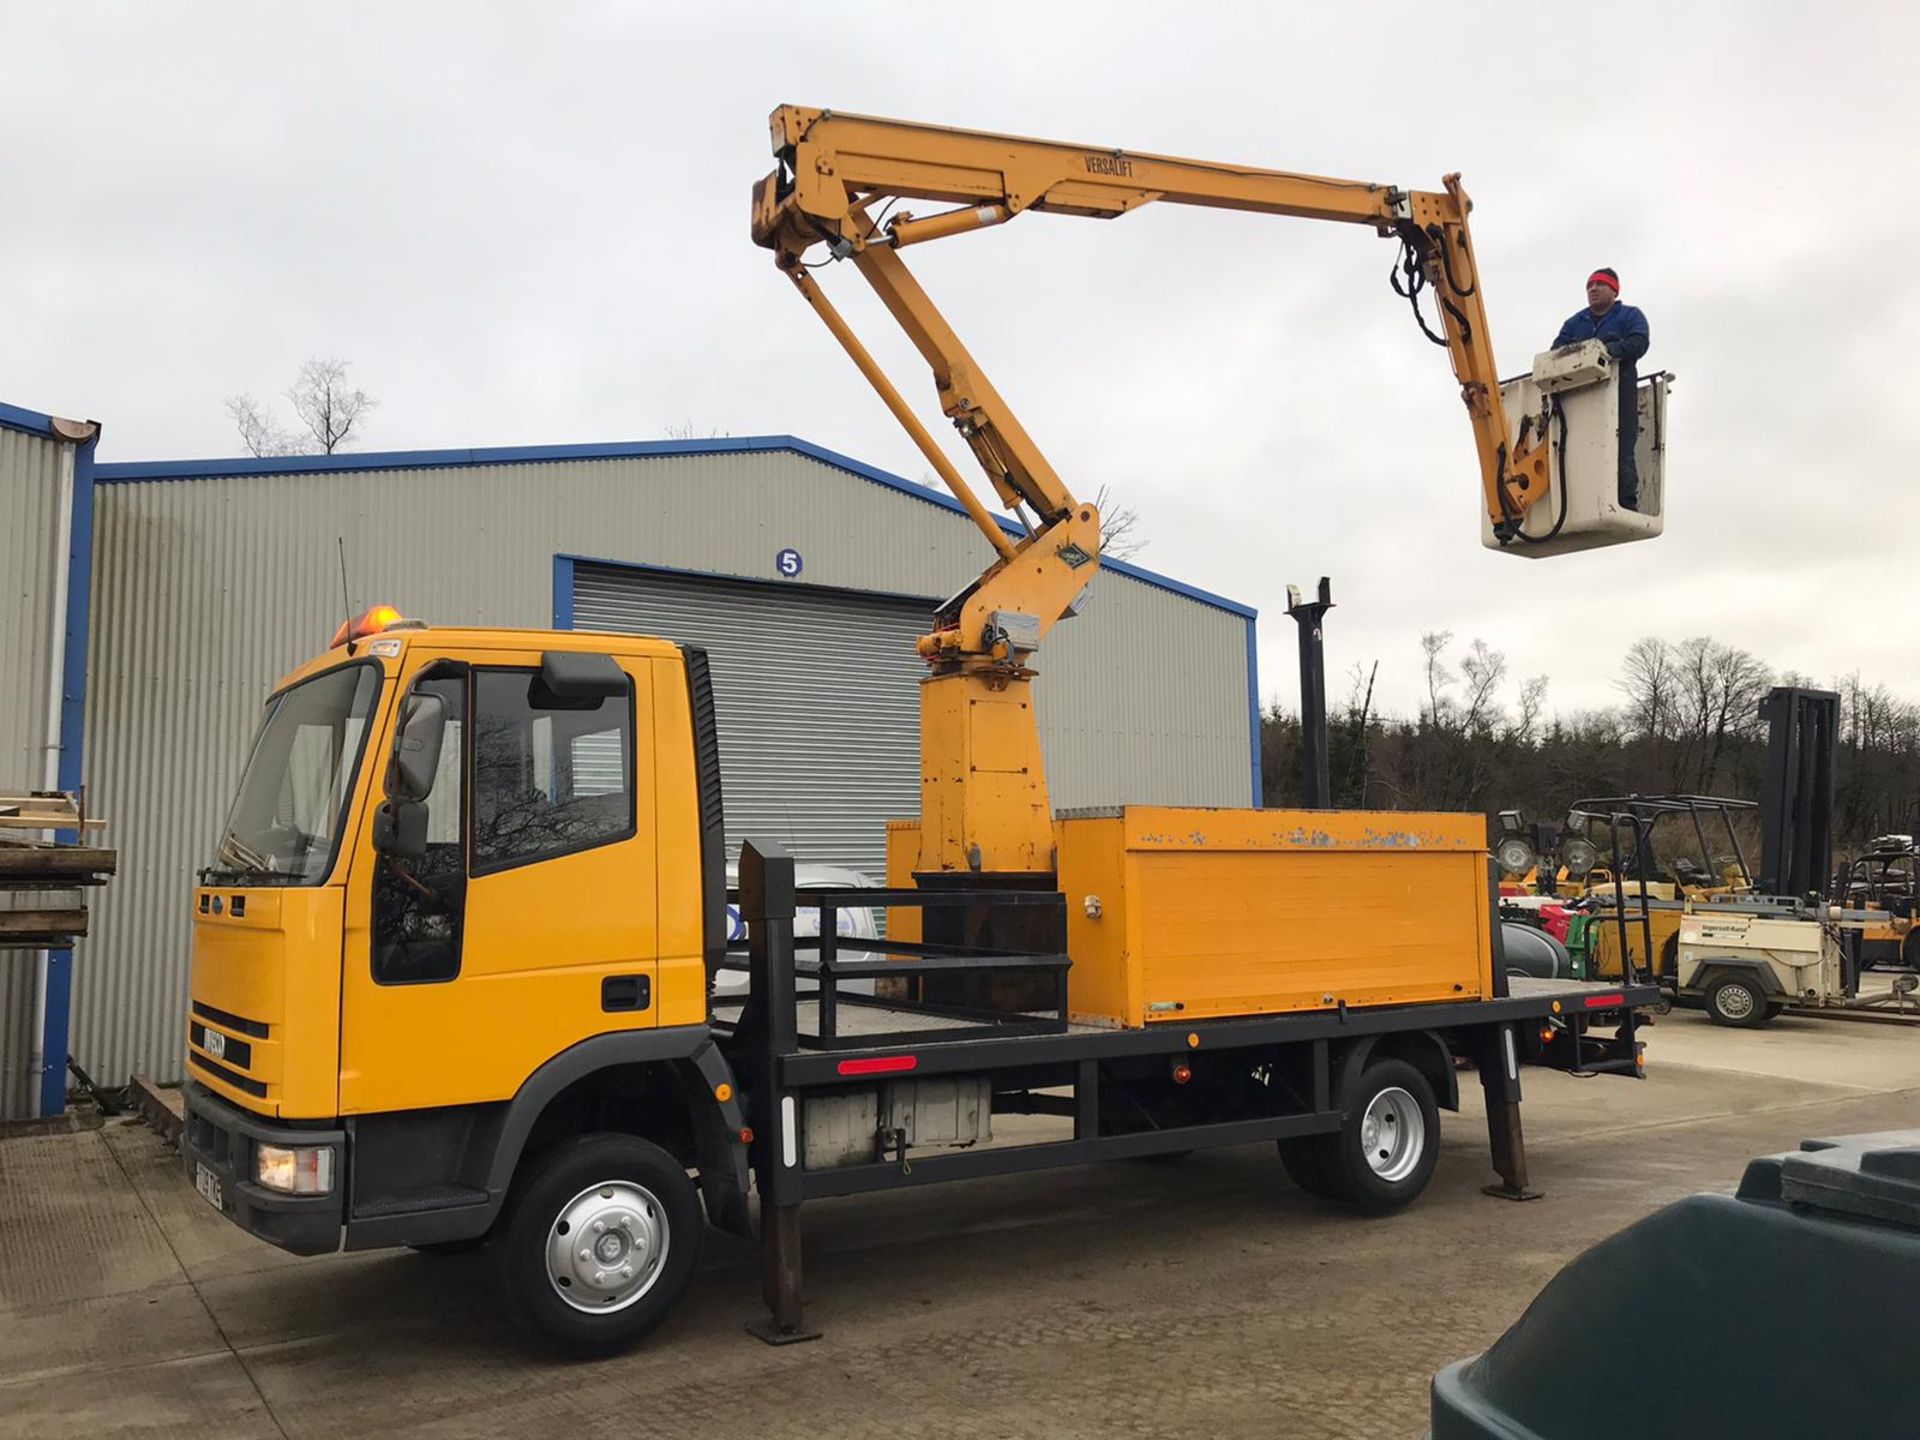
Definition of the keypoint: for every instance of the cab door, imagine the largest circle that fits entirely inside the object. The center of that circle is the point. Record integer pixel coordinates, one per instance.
(532, 923)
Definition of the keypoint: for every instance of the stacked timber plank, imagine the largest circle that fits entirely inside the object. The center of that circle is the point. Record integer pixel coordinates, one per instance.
(42, 875)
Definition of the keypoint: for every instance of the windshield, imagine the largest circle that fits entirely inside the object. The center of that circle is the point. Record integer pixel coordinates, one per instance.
(292, 800)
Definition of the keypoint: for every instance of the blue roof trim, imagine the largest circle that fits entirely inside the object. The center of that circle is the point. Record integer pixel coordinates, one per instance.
(31, 421)
(529, 454)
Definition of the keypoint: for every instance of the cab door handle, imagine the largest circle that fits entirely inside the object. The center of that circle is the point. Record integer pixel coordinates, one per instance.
(626, 992)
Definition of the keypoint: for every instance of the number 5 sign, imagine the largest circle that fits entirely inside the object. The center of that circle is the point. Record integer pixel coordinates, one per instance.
(788, 563)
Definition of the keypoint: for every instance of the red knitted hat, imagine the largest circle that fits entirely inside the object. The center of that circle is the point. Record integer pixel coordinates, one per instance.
(1605, 276)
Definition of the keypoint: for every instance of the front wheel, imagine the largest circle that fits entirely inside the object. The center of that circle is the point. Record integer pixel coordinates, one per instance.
(1383, 1154)
(599, 1241)
(1736, 1000)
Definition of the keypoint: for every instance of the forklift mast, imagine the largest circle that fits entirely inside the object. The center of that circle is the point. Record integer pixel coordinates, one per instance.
(1796, 804)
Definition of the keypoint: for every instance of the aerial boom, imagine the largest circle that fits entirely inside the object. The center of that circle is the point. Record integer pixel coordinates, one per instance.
(834, 192)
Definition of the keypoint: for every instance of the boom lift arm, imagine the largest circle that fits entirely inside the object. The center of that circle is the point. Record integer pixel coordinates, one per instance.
(837, 178)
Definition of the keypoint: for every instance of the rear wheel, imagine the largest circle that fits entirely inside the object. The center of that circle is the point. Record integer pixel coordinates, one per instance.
(1910, 950)
(1736, 999)
(1383, 1155)
(598, 1243)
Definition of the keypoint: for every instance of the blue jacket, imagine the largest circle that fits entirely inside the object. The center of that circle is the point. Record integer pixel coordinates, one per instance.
(1623, 328)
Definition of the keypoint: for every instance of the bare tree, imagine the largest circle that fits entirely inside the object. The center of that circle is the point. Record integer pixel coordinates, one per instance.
(687, 430)
(1533, 704)
(332, 413)
(1648, 681)
(1483, 670)
(1120, 537)
(258, 432)
(1433, 645)
(330, 409)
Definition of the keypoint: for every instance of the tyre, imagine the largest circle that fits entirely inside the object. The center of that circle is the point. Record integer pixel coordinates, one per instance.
(1910, 950)
(1383, 1155)
(1300, 1158)
(1736, 999)
(599, 1240)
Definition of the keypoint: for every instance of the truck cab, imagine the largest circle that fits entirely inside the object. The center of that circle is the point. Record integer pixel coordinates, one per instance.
(466, 879)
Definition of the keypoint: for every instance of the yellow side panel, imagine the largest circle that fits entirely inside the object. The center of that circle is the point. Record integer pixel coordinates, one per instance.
(680, 995)
(1249, 934)
(1208, 913)
(1102, 987)
(903, 856)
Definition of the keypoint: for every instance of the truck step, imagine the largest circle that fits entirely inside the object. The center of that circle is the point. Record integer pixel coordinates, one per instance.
(430, 1197)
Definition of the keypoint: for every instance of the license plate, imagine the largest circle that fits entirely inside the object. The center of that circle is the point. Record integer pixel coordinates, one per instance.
(216, 1044)
(208, 1184)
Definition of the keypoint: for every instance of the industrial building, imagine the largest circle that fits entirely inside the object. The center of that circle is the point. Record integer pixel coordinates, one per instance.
(191, 586)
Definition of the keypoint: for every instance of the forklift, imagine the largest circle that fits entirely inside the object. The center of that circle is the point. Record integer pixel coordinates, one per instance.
(1882, 878)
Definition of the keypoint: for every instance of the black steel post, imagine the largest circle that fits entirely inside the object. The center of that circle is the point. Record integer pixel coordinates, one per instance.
(1316, 774)
(1086, 1101)
(829, 1027)
(1499, 1060)
(766, 905)
(1796, 802)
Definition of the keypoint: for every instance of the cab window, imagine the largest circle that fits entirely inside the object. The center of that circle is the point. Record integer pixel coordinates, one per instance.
(551, 776)
(418, 905)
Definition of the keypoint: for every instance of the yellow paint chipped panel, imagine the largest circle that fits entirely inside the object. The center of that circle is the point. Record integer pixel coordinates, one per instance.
(1212, 913)
(1158, 827)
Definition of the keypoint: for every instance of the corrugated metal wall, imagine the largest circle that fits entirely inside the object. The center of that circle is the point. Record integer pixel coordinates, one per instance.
(207, 590)
(31, 467)
(817, 694)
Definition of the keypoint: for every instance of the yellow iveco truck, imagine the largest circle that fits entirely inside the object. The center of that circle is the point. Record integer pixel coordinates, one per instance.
(454, 957)
(451, 985)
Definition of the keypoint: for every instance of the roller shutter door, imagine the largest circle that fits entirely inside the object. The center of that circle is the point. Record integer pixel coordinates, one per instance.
(818, 694)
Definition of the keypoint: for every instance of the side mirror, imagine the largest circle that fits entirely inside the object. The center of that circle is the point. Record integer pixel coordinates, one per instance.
(416, 747)
(400, 829)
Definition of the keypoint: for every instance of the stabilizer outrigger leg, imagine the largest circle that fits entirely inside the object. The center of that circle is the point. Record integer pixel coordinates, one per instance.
(1500, 1083)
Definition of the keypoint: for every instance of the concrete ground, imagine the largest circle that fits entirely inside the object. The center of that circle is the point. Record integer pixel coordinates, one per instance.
(1208, 1298)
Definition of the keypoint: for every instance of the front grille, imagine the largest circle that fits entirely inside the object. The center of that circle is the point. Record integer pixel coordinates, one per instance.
(227, 1020)
(235, 1052)
(226, 1076)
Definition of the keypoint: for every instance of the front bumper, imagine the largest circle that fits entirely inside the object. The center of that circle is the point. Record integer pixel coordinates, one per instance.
(220, 1138)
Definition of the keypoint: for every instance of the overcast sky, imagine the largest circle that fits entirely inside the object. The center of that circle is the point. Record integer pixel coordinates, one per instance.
(534, 230)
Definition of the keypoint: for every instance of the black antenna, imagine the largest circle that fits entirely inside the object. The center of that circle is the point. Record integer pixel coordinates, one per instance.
(345, 598)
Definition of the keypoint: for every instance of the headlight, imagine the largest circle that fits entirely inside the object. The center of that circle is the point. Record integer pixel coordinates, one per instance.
(296, 1170)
